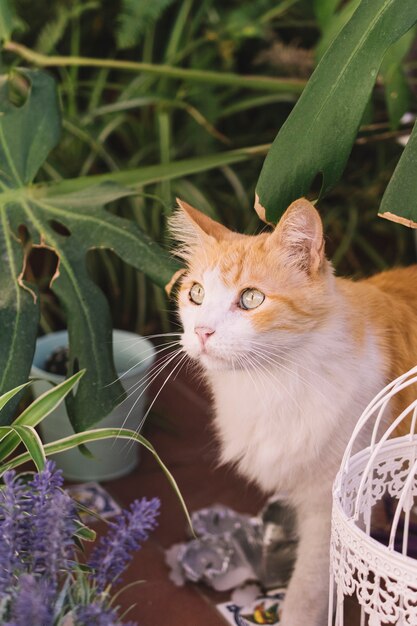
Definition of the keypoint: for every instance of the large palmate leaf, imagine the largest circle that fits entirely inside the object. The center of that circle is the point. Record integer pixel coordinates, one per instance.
(68, 216)
(70, 225)
(319, 133)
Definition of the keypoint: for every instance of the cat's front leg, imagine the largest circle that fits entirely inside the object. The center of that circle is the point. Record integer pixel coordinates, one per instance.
(306, 600)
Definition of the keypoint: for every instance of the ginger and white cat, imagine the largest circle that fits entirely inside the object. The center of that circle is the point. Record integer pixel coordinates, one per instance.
(292, 355)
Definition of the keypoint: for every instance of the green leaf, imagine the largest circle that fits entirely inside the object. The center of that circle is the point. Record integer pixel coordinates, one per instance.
(69, 218)
(318, 135)
(38, 410)
(19, 315)
(54, 30)
(84, 532)
(399, 203)
(324, 11)
(47, 402)
(135, 18)
(333, 25)
(30, 439)
(32, 442)
(27, 134)
(100, 434)
(397, 92)
(4, 399)
(9, 22)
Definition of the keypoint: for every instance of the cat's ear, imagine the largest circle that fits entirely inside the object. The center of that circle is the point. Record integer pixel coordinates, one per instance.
(299, 235)
(192, 228)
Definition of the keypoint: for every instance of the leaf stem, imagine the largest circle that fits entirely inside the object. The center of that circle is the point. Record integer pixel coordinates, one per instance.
(229, 79)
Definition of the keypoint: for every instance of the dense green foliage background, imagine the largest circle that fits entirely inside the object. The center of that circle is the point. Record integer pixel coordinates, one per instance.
(183, 98)
(115, 120)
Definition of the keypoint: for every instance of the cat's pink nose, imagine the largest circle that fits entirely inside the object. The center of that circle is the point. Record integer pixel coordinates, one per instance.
(203, 333)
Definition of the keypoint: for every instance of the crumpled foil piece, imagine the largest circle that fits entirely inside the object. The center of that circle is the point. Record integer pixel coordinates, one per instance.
(233, 548)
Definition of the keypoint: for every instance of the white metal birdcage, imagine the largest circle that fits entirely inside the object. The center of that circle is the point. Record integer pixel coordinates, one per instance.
(382, 577)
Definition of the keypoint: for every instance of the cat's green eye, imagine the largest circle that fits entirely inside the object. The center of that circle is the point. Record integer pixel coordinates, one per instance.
(197, 293)
(251, 298)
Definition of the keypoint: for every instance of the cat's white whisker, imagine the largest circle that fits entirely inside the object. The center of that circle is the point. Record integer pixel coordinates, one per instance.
(175, 368)
(167, 360)
(278, 364)
(151, 352)
(245, 358)
(129, 340)
(136, 343)
(137, 384)
(283, 355)
(143, 420)
(140, 339)
(273, 376)
(153, 372)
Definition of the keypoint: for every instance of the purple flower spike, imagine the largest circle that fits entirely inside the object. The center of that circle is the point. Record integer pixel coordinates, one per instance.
(12, 529)
(96, 615)
(40, 576)
(49, 479)
(114, 551)
(53, 517)
(32, 603)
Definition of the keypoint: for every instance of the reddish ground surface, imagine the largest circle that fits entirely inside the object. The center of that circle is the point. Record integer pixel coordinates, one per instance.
(189, 450)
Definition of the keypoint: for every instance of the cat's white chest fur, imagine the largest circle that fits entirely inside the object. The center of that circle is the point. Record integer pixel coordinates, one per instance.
(283, 425)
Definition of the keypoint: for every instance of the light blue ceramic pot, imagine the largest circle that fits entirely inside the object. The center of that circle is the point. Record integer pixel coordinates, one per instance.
(133, 356)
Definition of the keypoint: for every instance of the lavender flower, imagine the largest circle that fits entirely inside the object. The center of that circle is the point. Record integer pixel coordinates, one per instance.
(53, 518)
(113, 552)
(37, 522)
(96, 615)
(12, 529)
(48, 480)
(37, 546)
(32, 603)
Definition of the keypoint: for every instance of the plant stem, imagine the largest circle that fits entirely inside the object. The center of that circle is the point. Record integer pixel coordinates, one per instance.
(202, 76)
(138, 177)
(164, 126)
(75, 49)
(277, 11)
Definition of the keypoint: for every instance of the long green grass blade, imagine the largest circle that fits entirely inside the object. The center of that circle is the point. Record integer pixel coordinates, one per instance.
(100, 434)
(32, 442)
(5, 431)
(84, 532)
(47, 402)
(38, 410)
(10, 394)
